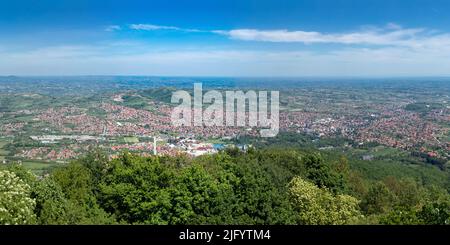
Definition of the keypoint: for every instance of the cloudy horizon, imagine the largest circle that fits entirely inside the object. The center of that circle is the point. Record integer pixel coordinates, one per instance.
(107, 41)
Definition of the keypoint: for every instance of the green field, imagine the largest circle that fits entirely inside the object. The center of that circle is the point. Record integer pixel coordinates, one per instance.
(3, 152)
(216, 141)
(37, 167)
(131, 139)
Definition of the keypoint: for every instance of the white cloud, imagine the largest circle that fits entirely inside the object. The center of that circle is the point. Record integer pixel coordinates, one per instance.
(390, 35)
(393, 26)
(151, 27)
(397, 37)
(113, 28)
(108, 60)
(390, 50)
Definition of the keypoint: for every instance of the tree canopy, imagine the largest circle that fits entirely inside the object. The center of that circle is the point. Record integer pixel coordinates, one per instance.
(265, 186)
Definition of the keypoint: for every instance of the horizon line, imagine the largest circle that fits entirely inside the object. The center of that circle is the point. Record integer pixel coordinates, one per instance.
(242, 76)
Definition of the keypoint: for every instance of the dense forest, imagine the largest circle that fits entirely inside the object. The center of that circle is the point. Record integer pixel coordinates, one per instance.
(264, 186)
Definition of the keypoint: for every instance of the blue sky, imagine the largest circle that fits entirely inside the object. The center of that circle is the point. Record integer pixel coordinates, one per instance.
(225, 38)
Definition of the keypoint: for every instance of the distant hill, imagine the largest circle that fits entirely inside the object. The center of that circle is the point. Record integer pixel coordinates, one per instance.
(423, 107)
(158, 94)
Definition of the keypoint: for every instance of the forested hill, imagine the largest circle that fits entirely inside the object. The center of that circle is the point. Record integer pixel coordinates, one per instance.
(231, 187)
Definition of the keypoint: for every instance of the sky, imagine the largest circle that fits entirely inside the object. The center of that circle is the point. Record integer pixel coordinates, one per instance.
(290, 38)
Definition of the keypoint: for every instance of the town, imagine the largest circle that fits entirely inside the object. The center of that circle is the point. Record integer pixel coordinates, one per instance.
(128, 120)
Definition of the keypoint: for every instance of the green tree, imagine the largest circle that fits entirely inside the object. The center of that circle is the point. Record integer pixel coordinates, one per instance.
(260, 201)
(78, 186)
(400, 216)
(322, 175)
(51, 205)
(96, 161)
(199, 198)
(136, 190)
(318, 206)
(378, 199)
(436, 213)
(407, 193)
(16, 204)
(75, 180)
(24, 174)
